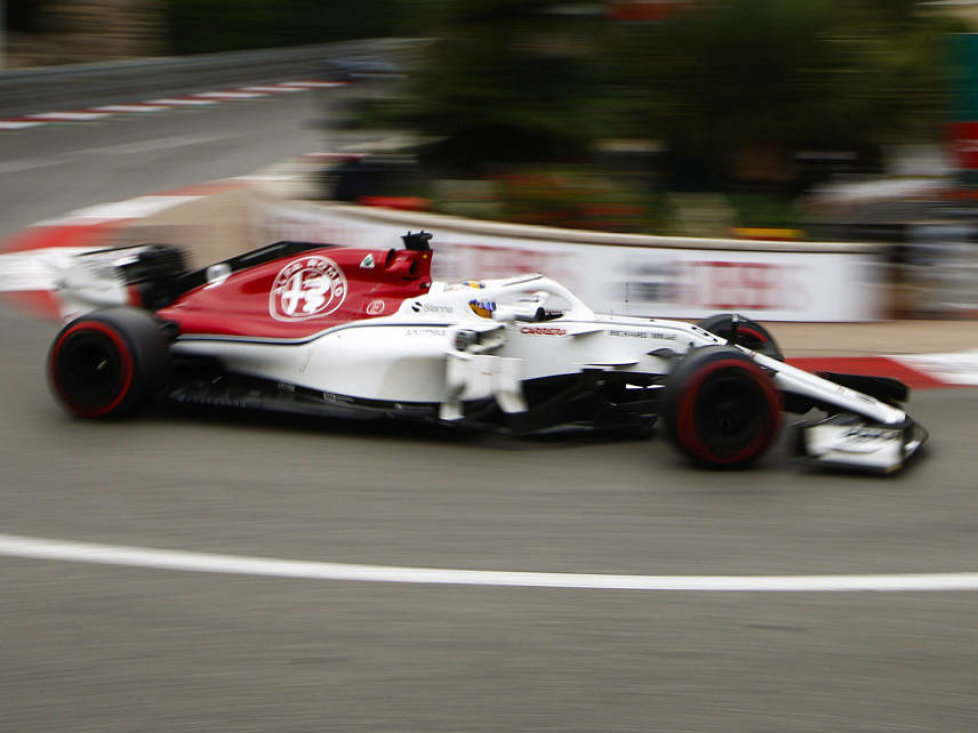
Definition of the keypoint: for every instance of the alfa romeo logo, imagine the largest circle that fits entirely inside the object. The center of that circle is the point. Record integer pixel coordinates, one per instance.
(307, 288)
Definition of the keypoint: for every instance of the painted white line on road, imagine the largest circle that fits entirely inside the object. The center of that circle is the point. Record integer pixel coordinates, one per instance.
(17, 124)
(230, 95)
(16, 166)
(388, 144)
(314, 84)
(272, 89)
(67, 116)
(131, 108)
(160, 143)
(199, 562)
(135, 208)
(178, 102)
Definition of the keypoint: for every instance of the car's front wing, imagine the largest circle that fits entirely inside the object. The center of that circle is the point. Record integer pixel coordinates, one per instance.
(859, 432)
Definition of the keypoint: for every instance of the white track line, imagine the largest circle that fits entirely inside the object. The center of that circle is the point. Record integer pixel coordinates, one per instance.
(158, 105)
(230, 95)
(183, 102)
(16, 166)
(272, 89)
(67, 116)
(154, 144)
(199, 562)
(134, 208)
(121, 108)
(313, 84)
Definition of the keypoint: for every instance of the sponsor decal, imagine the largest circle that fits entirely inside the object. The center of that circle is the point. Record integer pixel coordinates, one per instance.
(865, 440)
(860, 435)
(543, 331)
(658, 335)
(425, 332)
(419, 306)
(483, 308)
(853, 394)
(367, 263)
(309, 287)
(376, 307)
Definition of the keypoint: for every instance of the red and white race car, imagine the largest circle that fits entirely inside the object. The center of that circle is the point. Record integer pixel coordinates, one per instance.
(350, 332)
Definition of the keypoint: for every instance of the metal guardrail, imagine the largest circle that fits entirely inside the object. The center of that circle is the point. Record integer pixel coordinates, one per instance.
(28, 91)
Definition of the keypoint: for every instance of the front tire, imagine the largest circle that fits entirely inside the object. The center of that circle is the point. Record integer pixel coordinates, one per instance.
(107, 364)
(720, 409)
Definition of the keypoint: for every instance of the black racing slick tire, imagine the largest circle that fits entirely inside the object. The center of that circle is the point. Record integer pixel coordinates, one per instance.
(108, 363)
(721, 409)
(749, 334)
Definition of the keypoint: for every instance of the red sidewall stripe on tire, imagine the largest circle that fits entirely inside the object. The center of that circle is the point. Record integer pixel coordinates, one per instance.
(126, 359)
(686, 431)
(756, 334)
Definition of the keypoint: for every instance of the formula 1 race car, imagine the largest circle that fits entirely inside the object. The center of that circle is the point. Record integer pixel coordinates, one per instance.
(347, 332)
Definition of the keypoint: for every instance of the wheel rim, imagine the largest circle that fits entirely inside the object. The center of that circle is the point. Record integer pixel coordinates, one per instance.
(729, 415)
(91, 369)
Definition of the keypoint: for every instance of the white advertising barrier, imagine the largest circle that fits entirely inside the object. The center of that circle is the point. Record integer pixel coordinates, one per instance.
(622, 274)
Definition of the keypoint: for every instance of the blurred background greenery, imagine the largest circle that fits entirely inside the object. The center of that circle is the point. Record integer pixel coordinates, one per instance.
(758, 100)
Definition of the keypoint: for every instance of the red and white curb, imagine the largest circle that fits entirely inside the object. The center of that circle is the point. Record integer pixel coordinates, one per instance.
(91, 114)
(917, 371)
(34, 258)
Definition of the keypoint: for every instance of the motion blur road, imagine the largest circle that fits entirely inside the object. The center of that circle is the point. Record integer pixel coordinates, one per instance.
(125, 649)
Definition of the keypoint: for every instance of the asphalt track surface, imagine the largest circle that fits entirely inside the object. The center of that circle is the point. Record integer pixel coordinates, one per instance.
(92, 647)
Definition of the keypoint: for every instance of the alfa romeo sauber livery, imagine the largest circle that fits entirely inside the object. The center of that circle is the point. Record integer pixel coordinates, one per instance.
(349, 332)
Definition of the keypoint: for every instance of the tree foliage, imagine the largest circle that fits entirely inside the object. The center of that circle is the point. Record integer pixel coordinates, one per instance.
(507, 80)
(730, 82)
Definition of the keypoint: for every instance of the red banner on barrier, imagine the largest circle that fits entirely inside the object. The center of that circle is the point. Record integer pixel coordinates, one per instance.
(964, 145)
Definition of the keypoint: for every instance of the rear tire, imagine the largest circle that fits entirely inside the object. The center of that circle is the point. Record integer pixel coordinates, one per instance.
(720, 409)
(109, 363)
(749, 334)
